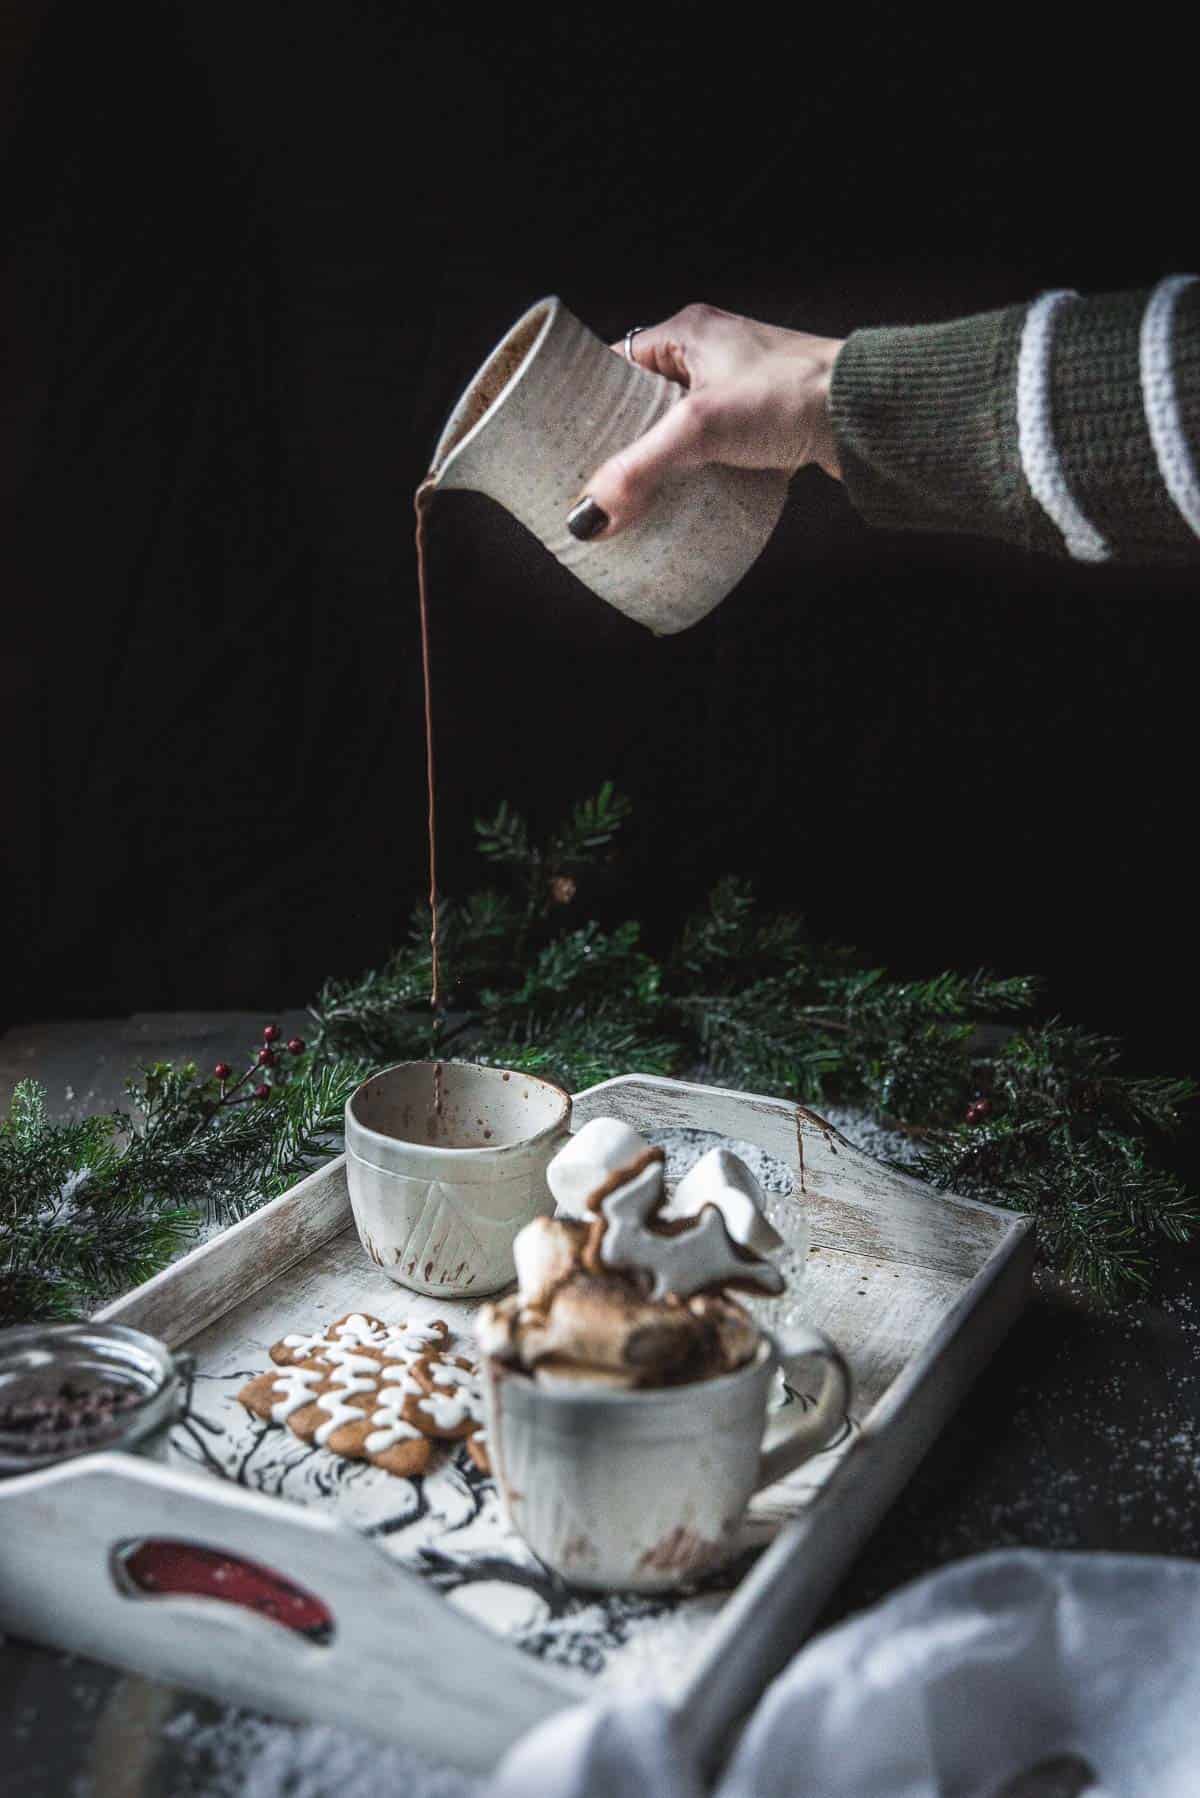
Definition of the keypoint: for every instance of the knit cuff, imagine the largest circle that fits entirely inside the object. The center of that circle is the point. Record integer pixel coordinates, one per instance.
(925, 420)
(1100, 417)
(1067, 426)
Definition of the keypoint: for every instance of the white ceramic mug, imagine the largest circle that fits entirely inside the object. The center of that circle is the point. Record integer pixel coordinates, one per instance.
(550, 404)
(644, 1490)
(438, 1199)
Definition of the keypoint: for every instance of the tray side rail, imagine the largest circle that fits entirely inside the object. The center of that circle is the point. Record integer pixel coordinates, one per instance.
(211, 1279)
(777, 1606)
(854, 1203)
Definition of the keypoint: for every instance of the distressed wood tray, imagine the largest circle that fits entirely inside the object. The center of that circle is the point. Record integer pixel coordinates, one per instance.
(448, 1634)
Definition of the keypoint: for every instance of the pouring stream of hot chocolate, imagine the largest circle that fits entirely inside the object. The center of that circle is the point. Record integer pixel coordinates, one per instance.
(423, 496)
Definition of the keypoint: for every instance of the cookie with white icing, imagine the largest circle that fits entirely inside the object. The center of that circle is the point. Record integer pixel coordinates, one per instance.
(477, 1449)
(450, 1403)
(288, 1395)
(678, 1257)
(348, 1401)
(358, 1330)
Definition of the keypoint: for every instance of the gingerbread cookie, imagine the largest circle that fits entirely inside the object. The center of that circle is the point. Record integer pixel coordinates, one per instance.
(681, 1256)
(371, 1391)
(448, 1404)
(477, 1449)
(368, 1334)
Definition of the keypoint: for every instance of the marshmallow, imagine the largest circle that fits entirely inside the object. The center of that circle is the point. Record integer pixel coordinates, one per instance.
(604, 1323)
(593, 1154)
(497, 1328)
(558, 1372)
(599, 1331)
(545, 1252)
(722, 1178)
(735, 1331)
(684, 1261)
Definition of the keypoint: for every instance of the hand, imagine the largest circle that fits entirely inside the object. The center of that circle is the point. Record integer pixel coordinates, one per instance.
(757, 397)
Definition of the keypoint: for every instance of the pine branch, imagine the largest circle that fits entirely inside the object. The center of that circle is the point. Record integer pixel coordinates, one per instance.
(1037, 1116)
(590, 828)
(580, 1047)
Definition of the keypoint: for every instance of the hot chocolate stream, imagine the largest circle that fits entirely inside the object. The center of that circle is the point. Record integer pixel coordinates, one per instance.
(424, 495)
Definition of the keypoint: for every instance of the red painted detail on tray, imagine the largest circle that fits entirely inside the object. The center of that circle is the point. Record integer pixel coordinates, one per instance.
(160, 1568)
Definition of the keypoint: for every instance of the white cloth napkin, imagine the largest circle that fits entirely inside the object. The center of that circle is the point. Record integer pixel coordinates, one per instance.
(951, 1688)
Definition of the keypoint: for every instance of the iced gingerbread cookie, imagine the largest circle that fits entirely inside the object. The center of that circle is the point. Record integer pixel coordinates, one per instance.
(358, 1331)
(347, 1401)
(477, 1450)
(681, 1256)
(449, 1404)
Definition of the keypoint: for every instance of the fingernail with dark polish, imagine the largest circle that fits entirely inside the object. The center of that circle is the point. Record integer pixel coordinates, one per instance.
(587, 519)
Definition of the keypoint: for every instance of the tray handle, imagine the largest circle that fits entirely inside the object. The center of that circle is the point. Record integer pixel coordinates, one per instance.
(401, 1663)
(652, 1102)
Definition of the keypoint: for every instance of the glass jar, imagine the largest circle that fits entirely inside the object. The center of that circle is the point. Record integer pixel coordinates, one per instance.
(72, 1389)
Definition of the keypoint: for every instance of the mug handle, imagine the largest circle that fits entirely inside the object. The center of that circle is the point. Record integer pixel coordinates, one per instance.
(804, 1430)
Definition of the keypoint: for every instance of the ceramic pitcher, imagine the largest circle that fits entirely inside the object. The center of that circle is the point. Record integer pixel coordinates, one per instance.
(550, 404)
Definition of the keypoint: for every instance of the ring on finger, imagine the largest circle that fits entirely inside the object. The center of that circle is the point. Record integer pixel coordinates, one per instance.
(629, 337)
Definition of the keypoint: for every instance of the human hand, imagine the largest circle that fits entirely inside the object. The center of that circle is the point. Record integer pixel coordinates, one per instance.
(757, 397)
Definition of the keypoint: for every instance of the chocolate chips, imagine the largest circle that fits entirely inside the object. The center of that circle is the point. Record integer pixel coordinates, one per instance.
(73, 1408)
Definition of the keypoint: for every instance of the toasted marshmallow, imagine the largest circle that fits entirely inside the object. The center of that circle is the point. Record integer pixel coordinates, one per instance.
(722, 1178)
(546, 1251)
(735, 1331)
(592, 1156)
(563, 1374)
(497, 1328)
(602, 1322)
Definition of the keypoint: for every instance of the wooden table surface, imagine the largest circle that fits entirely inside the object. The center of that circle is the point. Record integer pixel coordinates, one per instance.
(1083, 1433)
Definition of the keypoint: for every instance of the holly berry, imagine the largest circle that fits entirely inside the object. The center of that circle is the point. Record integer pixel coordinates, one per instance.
(222, 1070)
(266, 1058)
(978, 1109)
(262, 1092)
(270, 1033)
(296, 1045)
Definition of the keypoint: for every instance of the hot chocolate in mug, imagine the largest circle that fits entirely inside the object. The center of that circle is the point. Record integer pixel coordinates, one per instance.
(550, 404)
(643, 1490)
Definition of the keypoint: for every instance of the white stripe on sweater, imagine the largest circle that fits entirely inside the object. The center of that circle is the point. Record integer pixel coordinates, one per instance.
(1162, 402)
(1035, 437)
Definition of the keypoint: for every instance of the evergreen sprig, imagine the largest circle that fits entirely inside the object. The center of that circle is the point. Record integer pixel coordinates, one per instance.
(1026, 1112)
(748, 998)
(90, 1207)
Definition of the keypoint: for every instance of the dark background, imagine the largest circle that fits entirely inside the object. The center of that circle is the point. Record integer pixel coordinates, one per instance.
(252, 255)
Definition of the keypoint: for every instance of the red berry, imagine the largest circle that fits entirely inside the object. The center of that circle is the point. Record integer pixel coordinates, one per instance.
(270, 1033)
(296, 1045)
(222, 1070)
(266, 1058)
(262, 1092)
(977, 1110)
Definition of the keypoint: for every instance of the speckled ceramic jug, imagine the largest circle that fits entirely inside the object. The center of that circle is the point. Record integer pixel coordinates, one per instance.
(550, 404)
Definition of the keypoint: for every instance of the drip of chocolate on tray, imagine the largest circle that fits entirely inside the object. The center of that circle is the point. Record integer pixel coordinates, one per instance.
(424, 495)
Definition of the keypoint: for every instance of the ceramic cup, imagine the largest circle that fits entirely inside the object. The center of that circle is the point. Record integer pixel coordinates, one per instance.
(644, 1490)
(550, 404)
(437, 1201)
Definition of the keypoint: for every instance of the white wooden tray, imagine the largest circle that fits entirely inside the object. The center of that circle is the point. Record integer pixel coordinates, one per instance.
(448, 1634)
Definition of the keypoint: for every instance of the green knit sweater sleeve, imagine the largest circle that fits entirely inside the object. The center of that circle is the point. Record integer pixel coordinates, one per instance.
(1069, 426)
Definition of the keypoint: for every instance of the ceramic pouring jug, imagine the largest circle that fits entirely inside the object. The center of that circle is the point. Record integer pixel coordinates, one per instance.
(550, 404)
